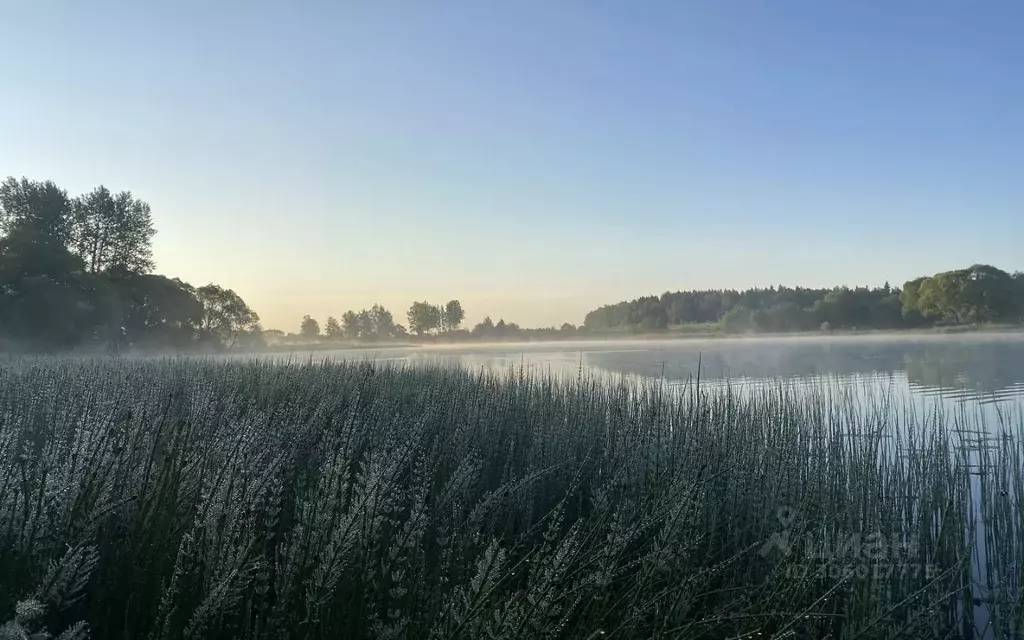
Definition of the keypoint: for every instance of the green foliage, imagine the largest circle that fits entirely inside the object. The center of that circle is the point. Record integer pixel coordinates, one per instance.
(911, 295)
(225, 315)
(978, 294)
(452, 316)
(74, 275)
(352, 324)
(484, 327)
(487, 329)
(195, 498)
(113, 233)
(737, 320)
(381, 322)
(375, 323)
(309, 328)
(423, 318)
(40, 210)
(332, 328)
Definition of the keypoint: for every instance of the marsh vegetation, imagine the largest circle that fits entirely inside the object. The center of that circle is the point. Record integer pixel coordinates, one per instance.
(184, 498)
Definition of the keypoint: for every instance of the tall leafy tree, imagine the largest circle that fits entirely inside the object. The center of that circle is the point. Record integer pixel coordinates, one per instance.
(41, 210)
(940, 297)
(113, 232)
(351, 325)
(382, 321)
(332, 328)
(367, 329)
(36, 226)
(74, 273)
(45, 304)
(423, 318)
(988, 293)
(309, 328)
(225, 315)
(484, 328)
(453, 315)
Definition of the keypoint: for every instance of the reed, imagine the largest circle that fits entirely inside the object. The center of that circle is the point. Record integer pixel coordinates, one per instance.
(191, 498)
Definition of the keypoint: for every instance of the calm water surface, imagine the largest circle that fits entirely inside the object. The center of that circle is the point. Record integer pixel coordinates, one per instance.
(981, 368)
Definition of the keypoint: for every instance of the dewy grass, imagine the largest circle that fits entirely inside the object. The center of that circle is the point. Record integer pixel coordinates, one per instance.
(188, 498)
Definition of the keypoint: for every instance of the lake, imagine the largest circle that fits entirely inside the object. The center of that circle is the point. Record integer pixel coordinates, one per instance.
(977, 368)
(911, 387)
(974, 383)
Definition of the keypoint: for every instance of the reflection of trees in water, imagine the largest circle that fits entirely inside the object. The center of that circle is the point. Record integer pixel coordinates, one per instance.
(990, 367)
(984, 366)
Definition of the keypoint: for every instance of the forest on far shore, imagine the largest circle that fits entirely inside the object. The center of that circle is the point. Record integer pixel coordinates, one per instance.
(979, 294)
(77, 274)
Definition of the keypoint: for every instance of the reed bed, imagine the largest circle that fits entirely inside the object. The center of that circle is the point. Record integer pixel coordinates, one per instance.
(189, 498)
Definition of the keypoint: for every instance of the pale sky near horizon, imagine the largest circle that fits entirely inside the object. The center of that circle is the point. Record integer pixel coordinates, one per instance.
(534, 159)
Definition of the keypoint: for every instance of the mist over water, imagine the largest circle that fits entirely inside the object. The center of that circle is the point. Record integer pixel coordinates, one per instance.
(982, 369)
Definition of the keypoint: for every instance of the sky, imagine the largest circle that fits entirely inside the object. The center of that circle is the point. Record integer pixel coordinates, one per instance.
(534, 159)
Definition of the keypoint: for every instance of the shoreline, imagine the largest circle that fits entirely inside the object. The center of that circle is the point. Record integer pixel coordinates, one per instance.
(964, 331)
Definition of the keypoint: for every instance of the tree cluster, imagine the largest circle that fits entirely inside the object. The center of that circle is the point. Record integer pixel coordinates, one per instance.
(426, 322)
(426, 318)
(487, 329)
(375, 323)
(378, 324)
(75, 273)
(980, 293)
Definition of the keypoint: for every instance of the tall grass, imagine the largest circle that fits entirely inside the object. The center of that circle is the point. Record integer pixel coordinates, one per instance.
(190, 498)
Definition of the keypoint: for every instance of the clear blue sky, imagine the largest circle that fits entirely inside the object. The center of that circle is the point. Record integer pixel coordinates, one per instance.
(532, 158)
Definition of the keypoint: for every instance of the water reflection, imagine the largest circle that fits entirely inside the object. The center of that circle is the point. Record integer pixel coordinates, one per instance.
(981, 368)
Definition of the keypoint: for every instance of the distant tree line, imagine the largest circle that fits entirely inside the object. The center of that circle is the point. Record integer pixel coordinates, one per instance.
(375, 323)
(426, 322)
(977, 294)
(76, 274)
